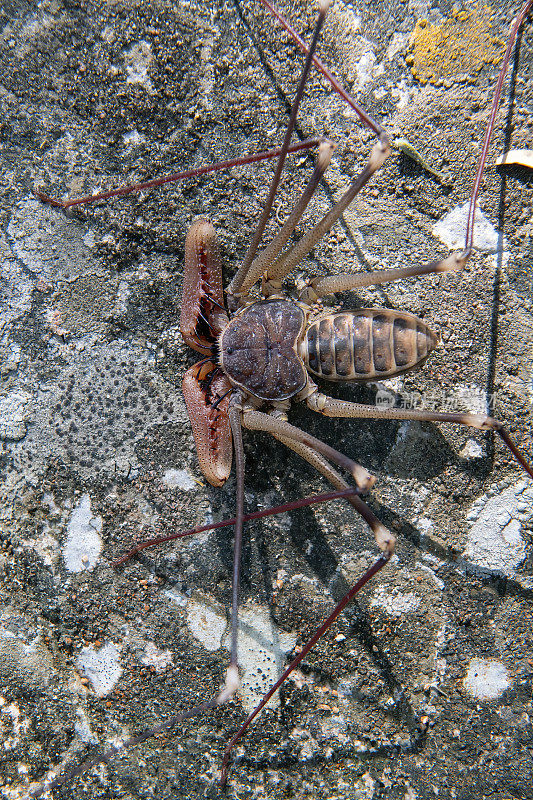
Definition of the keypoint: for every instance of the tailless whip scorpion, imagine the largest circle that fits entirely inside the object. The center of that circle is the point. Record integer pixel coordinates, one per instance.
(267, 340)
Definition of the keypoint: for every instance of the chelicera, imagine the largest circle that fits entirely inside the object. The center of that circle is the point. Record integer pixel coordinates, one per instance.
(262, 353)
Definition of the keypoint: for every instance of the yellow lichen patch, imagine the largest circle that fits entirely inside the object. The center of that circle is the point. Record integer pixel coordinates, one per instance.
(456, 50)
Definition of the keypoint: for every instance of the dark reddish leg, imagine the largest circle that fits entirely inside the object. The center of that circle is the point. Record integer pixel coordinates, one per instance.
(348, 597)
(202, 708)
(177, 176)
(226, 523)
(517, 24)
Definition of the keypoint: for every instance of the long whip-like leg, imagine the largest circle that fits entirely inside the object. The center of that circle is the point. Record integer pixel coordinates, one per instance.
(232, 672)
(469, 235)
(348, 597)
(236, 430)
(344, 491)
(361, 113)
(251, 158)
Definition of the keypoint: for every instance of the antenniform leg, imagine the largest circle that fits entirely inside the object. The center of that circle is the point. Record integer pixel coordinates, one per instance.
(232, 674)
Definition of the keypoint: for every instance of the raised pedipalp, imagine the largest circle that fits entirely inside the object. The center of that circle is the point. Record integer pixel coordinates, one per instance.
(206, 393)
(202, 305)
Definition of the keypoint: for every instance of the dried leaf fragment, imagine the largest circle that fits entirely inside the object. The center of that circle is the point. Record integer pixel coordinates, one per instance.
(523, 158)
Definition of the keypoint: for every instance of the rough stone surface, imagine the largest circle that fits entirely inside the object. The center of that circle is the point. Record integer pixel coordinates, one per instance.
(388, 705)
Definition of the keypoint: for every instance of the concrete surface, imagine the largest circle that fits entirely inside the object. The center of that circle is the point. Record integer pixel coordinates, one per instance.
(423, 689)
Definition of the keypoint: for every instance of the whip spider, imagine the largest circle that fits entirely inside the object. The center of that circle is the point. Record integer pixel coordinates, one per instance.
(394, 668)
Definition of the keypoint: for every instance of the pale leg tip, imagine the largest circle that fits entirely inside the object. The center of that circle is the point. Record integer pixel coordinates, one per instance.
(231, 685)
(385, 540)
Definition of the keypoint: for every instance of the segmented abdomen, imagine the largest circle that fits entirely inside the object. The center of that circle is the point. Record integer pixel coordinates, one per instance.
(369, 344)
